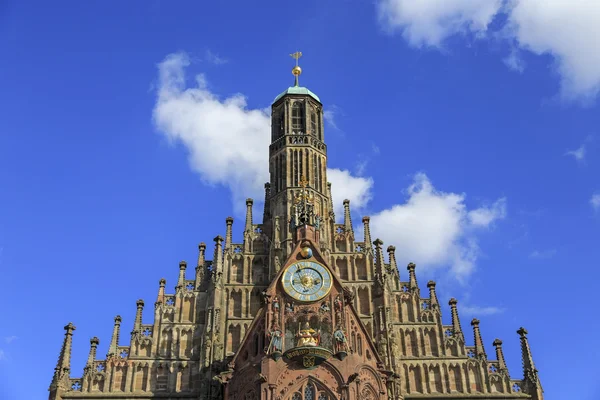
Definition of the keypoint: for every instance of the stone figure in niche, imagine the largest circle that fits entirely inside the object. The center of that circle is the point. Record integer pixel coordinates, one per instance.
(289, 307)
(324, 307)
(341, 343)
(337, 303)
(307, 336)
(276, 304)
(275, 341)
(277, 264)
(317, 222)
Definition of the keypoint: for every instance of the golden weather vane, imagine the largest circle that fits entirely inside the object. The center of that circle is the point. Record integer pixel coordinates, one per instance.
(296, 70)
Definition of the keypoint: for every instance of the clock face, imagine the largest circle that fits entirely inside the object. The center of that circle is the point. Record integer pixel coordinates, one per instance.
(307, 281)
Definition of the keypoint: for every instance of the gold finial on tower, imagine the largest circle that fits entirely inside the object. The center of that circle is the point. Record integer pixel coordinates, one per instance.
(296, 70)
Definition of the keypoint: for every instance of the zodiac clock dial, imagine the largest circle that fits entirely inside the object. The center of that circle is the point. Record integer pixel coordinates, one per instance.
(307, 281)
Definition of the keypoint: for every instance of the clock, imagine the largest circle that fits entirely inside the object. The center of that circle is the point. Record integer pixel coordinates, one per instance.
(307, 281)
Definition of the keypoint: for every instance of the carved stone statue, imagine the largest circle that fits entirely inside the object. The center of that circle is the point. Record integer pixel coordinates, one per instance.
(341, 343)
(275, 342)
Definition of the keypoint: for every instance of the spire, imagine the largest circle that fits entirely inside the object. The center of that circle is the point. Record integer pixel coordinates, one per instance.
(228, 232)
(479, 350)
(218, 257)
(530, 374)
(114, 341)
(181, 280)
(367, 229)
(248, 227)
(455, 320)
(412, 276)
(200, 266)
(379, 261)
(347, 218)
(392, 256)
(432, 295)
(500, 355)
(94, 342)
(161, 290)
(296, 71)
(63, 366)
(137, 327)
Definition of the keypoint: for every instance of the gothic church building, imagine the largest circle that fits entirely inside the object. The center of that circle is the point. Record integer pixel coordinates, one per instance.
(299, 310)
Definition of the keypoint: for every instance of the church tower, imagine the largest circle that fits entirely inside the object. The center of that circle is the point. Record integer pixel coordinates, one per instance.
(298, 310)
(297, 162)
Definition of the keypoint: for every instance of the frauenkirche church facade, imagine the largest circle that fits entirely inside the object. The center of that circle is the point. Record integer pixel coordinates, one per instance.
(299, 310)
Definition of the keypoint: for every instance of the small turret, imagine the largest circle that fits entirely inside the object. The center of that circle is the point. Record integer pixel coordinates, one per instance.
(479, 350)
(367, 232)
(530, 374)
(228, 233)
(218, 256)
(347, 217)
(433, 296)
(181, 279)
(331, 213)
(114, 341)
(412, 277)
(392, 256)
(137, 326)
(456, 328)
(161, 290)
(60, 379)
(248, 226)
(379, 261)
(500, 356)
(200, 264)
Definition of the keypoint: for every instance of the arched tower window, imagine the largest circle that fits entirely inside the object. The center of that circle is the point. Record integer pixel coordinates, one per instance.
(298, 117)
(313, 124)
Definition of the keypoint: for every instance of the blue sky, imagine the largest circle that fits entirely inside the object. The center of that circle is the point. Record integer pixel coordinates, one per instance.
(468, 130)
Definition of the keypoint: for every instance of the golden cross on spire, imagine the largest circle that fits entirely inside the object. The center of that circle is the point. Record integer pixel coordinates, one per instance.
(296, 70)
(296, 56)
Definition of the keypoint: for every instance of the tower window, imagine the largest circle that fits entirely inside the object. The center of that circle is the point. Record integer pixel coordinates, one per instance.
(313, 124)
(298, 117)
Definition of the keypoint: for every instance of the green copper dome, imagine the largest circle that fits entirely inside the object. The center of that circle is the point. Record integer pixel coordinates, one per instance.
(297, 90)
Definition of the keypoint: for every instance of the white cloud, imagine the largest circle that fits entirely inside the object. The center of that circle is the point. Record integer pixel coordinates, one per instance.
(345, 186)
(542, 254)
(435, 229)
(479, 311)
(2, 355)
(10, 339)
(595, 201)
(330, 114)
(227, 142)
(565, 29)
(214, 58)
(578, 154)
(428, 23)
(514, 61)
(484, 216)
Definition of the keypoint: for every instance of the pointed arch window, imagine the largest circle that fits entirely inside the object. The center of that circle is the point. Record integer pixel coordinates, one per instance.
(298, 117)
(310, 391)
(313, 124)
